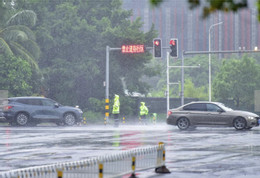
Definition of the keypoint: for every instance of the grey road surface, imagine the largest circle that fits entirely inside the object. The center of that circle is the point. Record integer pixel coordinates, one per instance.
(203, 152)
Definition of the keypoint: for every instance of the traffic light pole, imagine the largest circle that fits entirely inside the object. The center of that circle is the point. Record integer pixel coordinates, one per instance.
(182, 79)
(168, 83)
(107, 72)
(108, 49)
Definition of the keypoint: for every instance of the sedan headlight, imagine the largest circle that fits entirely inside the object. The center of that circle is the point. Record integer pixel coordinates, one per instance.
(250, 117)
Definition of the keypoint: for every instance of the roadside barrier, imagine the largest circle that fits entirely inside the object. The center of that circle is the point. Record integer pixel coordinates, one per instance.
(84, 120)
(107, 111)
(154, 118)
(151, 118)
(127, 162)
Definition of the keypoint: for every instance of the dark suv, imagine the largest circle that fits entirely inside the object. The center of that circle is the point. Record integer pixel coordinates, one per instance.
(23, 111)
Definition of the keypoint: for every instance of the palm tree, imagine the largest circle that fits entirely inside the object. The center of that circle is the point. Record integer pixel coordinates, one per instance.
(16, 38)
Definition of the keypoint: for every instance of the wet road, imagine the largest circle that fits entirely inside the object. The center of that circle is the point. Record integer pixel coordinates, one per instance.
(204, 152)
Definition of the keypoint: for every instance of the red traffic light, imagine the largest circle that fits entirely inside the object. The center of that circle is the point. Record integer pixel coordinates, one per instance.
(156, 42)
(172, 42)
(174, 47)
(157, 48)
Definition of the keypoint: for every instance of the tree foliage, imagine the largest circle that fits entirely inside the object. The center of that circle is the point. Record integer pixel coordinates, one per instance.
(18, 41)
(18, 76)
(16, 38)
(73, 36)
(237, 80)
(195, 92)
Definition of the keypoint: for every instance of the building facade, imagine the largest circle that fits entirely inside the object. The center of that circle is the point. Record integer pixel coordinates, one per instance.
(174, 19)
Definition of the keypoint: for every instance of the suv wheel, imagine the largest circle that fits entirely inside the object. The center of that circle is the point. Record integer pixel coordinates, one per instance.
(69, 119)
(183, 123)
(22, 119)
(239, 123)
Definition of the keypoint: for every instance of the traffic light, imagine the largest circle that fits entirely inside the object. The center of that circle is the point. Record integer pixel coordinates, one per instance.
(157, 48)
(174, 47)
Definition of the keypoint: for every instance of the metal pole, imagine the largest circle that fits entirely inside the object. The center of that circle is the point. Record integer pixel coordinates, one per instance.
(210, 59)
(167, 90)
(108, 49)
(107, 75)
(220, 52)
(182, 80)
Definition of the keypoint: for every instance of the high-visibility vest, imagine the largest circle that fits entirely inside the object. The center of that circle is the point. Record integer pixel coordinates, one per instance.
(143, 109)
(116, 106)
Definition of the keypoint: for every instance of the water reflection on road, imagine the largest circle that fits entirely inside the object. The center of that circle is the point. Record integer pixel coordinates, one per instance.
(202, 152)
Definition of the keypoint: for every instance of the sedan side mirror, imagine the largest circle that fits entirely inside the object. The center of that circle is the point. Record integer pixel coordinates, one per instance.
(56, 105)
(220, 110)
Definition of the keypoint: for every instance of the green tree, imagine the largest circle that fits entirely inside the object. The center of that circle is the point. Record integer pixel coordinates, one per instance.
(17, 38)
(3, 11)
(194, 92)
(18, 76)
(73, 36)
(237, 80)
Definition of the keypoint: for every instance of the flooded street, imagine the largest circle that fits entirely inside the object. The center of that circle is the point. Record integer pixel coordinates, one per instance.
(203, 152)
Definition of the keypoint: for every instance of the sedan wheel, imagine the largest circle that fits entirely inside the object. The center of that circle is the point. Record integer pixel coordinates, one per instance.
(183, 123)
(239, 123)
(69, 119)
(22, 119)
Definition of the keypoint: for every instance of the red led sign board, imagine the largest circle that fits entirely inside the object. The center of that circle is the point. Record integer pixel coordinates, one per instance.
(132, 49)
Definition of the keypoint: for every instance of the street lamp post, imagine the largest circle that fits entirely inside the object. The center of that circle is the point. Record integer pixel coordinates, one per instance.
(210, 58)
